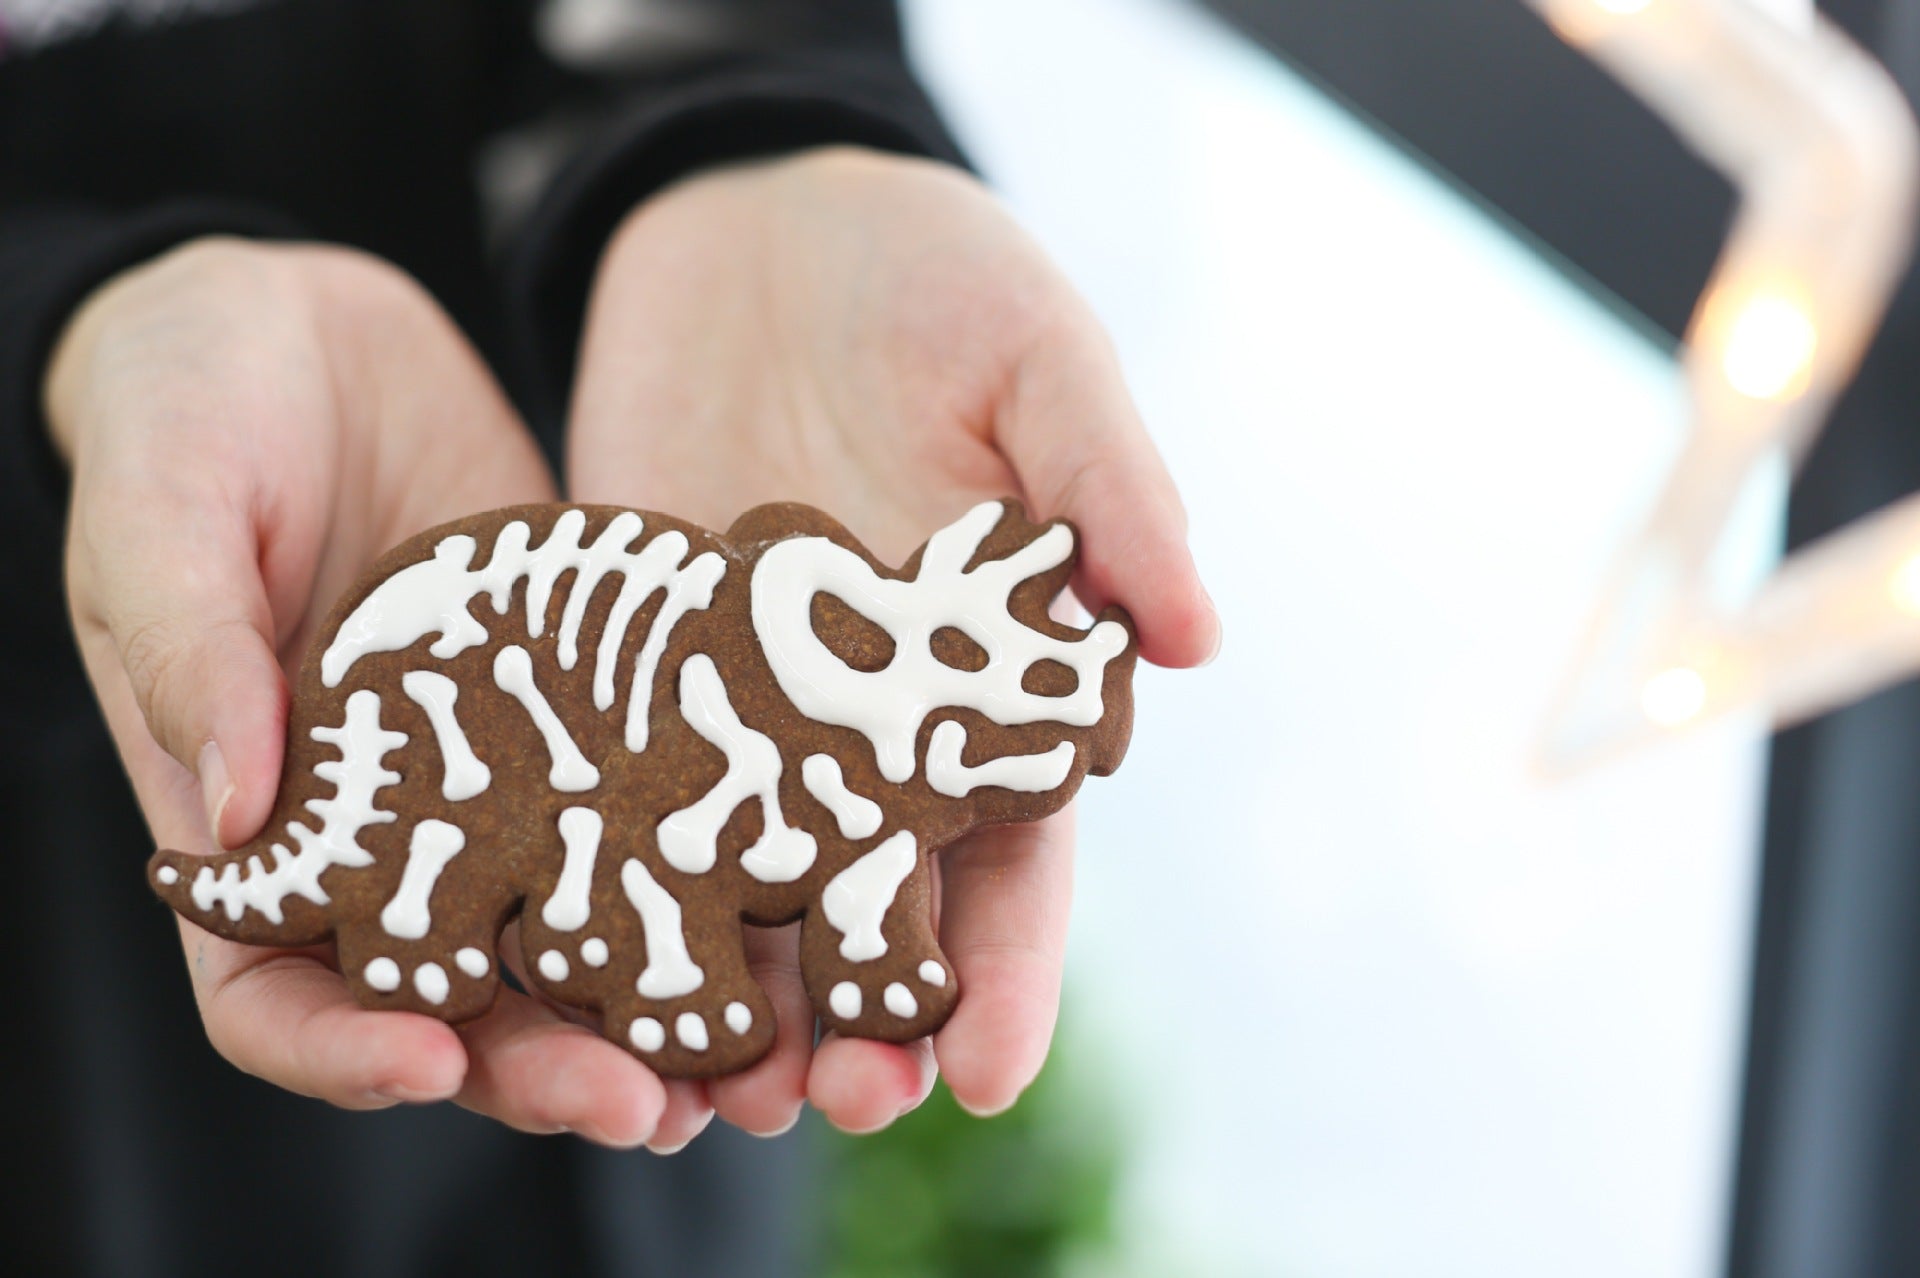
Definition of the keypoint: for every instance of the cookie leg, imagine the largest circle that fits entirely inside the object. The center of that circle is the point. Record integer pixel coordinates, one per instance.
(684, 1001)
(867, 951)
(567, 943)
(416, 958)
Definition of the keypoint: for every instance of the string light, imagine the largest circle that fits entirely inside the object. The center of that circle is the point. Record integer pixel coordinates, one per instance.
(1822, 151)
(1905, 586)
(1674, 696)
(1769, 349)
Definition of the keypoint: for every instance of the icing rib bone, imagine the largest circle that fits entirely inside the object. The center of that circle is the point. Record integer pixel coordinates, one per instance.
(432, 597)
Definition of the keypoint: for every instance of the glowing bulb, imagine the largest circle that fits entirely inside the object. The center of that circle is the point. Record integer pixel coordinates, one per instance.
(1768, 349)
(1674, 696)
(1623, 6)
(1905, 585)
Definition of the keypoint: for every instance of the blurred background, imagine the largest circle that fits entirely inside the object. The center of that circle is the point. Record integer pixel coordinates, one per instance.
(1350, 993)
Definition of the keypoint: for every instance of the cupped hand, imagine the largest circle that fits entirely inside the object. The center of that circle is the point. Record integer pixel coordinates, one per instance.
(248, 427)
(877, 337)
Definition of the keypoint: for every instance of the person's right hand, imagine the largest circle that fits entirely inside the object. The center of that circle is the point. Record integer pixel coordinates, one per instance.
(248, 427)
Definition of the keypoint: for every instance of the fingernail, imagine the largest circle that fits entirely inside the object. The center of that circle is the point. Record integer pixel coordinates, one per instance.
(408, 1095)
(666, 1151)
(989, 1111)
(780, 1131)
(216, 785)
(1219, 639)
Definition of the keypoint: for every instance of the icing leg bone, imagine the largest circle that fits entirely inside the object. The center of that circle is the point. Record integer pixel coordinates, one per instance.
(877, 908)
(689, 838)
(693, 1001)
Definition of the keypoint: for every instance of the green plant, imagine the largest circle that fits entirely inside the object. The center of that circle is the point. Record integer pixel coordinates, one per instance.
(942, 1194)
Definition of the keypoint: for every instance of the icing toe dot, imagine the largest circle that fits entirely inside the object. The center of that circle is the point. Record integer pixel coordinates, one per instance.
(431, 980)
(739, 1017)
(593, 952)
(845, 1000)
(692, 1031)
(648, 1034)
(933, 974)
(900, 1000)
(553, 965)
(472, 962)
(167, 875)
(384, 975)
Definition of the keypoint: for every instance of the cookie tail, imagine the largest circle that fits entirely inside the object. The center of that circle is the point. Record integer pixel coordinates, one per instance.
(258, 894)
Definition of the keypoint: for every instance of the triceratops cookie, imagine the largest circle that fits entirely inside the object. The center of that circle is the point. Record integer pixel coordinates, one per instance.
(634, 735)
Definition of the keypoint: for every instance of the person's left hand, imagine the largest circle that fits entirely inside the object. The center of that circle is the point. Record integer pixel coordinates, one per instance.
(875, 336)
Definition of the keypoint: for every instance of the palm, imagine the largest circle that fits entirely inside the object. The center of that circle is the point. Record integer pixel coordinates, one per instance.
(877, 338)
(744, 348)
(249, 428)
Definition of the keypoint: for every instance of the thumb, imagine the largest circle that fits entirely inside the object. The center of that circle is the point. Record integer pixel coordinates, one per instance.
(179, 591)
(1081, 451)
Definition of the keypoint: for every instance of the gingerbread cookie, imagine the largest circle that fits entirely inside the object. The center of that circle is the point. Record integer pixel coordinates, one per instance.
(633, 736)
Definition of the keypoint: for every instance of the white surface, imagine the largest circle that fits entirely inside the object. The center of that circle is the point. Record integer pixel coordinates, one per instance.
(1428, 1018)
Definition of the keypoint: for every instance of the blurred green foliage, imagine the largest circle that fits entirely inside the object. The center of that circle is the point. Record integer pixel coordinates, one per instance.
(942, 1194)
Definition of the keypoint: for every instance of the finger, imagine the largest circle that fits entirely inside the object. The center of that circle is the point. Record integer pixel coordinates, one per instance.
(766, 1098)
(1076, 440)
(687, 1115)
(537, 1073)
(177, 587)
(1005, 894)
(860, 1085)
(287, 1018)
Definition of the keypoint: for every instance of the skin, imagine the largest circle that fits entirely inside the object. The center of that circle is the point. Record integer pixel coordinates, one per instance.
(870, 334)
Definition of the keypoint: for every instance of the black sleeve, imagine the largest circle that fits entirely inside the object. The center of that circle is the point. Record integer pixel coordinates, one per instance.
(51, 256)
(843, 80)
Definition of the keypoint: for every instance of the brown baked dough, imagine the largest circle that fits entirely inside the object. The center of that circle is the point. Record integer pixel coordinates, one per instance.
(627, 769)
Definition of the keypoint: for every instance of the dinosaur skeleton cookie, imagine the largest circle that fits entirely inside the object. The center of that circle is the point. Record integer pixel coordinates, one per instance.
(634, 735)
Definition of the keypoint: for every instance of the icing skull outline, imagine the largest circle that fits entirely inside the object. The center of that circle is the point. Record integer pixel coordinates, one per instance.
(943, 588)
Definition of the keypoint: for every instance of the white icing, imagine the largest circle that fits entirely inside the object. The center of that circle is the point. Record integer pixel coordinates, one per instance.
(593, 952)
(434, 843)
(167, 875)
(933, 974)
(739, 1017)
(431, 980)
(553, 965)
(856, 899)
(357, 775)
(1031, 773)
(648, 1034)
(888, 706)
(691, 1031)
(383, 974)
(689, 838)
(433, 596)
(570, 905)
(845, 1000)
(669, 972)
(691, 588)
(411, 604)
(465, 775)
(472, 962)
(570, 773)
(857, 815)
(900, 1000)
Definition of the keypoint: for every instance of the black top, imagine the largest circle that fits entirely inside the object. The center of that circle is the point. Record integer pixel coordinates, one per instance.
(407, 128)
